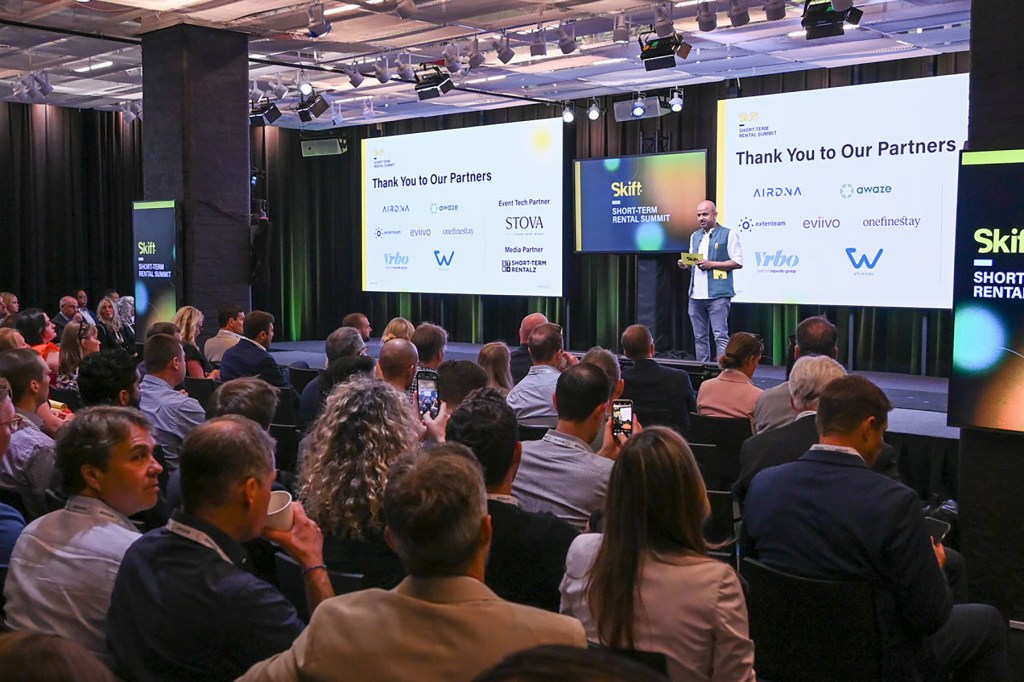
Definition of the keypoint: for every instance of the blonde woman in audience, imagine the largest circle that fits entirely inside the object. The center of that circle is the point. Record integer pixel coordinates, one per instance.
(11, 338)
(189, 320)
(495, 358)
(732, 393)
(365, 426)
(79, 340)
(647, 583)
(113, 332)
(398, 328)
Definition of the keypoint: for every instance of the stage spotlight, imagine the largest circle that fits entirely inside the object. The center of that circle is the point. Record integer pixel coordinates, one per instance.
(20, 91)
(452, 60)
(661, 53)
(263, 114)
(381, 71)
(568, 115)
(738, 13)
(775, 10)
(354, 76)
(538, 48)
(312, 108)
(676, 101)
(405, 70)
(620, 33)
(822, 20)
(707, 19)
(594, 110)
(279, 88)
(841, 5)
(567, 43)
(368, 111)
(318, 25)
(42, 81)
(255, 94)
(303, 86)
(406, 9)
(663, 24)
(136, 108)
(639, 105)
(505, 53)
(476, 57)
(127, 115)
(432, 82)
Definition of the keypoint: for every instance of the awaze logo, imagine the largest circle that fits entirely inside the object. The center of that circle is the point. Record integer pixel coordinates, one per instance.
(846, 190)
(443, 260)
(862, 260)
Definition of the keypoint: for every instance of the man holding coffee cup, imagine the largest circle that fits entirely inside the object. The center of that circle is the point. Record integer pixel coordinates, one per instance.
(183, 606)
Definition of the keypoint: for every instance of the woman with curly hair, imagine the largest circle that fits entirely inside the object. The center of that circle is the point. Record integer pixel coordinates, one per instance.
(365, 426)
(79, 340)
(189, 320)
(114, 333)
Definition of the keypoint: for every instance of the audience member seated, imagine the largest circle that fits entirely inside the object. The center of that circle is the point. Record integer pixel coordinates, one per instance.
(648, 583)
(528, 549)
(531, 397)
(68, 313)
(27, 468)
(231, 321)
(661, 395)
(10, 303)
(441, 623)
(113, 332)
(343, 342)
(398, 328)
(31, 657)
(173, 414)
(732, 393)
(189, 320)
(184, 607)
(249, 357)
(365, 427)
(109, 378)
(560, 474)
(64, 564)
(520, 360)
(126, 311)
(11, 338)
(168, 328)
(455, 380)
(495, 360)
(397, 364)
(11, 520)
(39, 333)
(79, 341)
(82, 298)
(359, 322)
(814, 336)
(609, 364)
(827, 516)
(431, 342)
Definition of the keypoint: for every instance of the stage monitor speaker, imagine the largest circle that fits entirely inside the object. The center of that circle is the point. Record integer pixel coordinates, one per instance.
(326, 147)
(624, 109)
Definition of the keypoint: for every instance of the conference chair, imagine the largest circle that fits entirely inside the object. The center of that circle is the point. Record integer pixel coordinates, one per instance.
(67, 396)
(201, 389)
(286, 412)
(720, 528)
(527, 433)
(301, 376)
(293, 586)
(287, 453)
(653, 660)
(808, 630)
(728, 433)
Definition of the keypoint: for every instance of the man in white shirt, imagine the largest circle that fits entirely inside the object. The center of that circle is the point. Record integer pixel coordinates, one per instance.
(64, 564)
(231, 320)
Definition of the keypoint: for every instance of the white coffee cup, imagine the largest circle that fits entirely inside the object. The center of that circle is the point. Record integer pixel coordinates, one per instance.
(279, 511)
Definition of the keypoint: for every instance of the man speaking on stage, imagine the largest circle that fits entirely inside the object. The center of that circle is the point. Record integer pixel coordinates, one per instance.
(711, 290)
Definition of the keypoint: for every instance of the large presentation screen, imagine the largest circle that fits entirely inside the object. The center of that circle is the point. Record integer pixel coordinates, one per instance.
(986, 387)
(467, 211)
(155, 229)
(639, 204)
(844, 196)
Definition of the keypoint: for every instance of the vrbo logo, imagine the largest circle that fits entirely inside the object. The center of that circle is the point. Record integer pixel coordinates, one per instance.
(442, 260)
(395, 258)
(767, 259)
(862, 260)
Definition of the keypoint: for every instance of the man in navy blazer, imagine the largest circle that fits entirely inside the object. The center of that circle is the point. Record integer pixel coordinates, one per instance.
(828, 516)
(661, 395)
(249, 357)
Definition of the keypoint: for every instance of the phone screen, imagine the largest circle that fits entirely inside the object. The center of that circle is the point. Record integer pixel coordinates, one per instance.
(622, 417)
(426, 389)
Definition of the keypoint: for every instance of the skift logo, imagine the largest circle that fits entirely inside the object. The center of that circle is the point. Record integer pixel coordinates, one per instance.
(443, 260)
(862, 260)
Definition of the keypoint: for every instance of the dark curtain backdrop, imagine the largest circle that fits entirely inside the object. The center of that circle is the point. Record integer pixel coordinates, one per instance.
(68, 177)
(67, 181)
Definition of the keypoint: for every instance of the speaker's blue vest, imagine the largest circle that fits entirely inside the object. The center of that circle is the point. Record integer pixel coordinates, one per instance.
(718, 287)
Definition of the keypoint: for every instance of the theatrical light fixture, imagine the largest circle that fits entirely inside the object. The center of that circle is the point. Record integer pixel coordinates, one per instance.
(707, 20)
(255, 94)
(42, 82)
(505, 53)
(263, 114)
(452, 59)
(279, 89)
(594, 110)
(127, 115)
(312, 108)
(136, 108)
(775, 10)
(405, 71)
(663, 24)
(639, 105)
(476, 57)
(821, 19)
(661, 53)
(432, 82)
(318, 25)
(841, 5)
(380, 70)
(568, 115)
(538, 48)
(406, 9)
(620, 33)
(675, 103)
(304, 87)
(738, 13)
(566, 42)
(354, 76)
(368, 111)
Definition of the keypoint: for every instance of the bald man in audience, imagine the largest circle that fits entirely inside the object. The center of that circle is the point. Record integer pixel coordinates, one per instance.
(68, 313)
(661, 395)
(520, 360)
(531, 397)
(397, 363)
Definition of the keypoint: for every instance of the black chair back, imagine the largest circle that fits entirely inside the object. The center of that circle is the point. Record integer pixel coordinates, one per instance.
(293, 586)
(728, 433)
(287, 453)
(720, 528)
(531, 432)
(201, 389)
(811, 630)
(67, 396)
(301, 376)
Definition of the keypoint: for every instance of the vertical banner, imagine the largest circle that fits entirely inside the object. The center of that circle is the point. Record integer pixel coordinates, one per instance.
(155, 226)
(986, 387)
